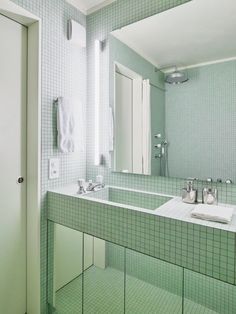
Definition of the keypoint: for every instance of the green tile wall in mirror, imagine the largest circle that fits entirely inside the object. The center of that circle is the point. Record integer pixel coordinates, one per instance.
(173, 95)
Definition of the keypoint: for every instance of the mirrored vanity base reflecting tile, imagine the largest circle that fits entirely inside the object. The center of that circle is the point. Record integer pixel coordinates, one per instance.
(165, 233)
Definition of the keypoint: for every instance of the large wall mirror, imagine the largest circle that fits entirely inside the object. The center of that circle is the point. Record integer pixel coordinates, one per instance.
(173, 93)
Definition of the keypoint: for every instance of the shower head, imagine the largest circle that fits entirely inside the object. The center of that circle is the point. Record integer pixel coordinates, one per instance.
(176, 77)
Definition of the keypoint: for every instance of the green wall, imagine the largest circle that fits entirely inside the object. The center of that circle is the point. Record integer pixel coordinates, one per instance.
(201, 123)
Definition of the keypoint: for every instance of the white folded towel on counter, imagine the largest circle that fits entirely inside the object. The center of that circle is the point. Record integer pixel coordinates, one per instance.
(213, 213)
(70, 125)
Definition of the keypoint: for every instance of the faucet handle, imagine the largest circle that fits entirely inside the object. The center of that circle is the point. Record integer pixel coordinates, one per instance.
(81, 182)
(192, 179)
(99, 179)
(209, 180)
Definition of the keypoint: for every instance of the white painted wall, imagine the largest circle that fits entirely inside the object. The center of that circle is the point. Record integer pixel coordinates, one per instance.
(99, 259)
(68, 258)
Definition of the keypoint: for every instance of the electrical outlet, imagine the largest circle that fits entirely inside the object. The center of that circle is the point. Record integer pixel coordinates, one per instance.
(54, 165)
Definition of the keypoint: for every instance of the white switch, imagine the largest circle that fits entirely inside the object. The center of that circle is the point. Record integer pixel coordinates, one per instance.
(54, 168)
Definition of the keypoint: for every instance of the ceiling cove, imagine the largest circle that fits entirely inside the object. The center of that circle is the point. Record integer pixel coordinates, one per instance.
(89, 6)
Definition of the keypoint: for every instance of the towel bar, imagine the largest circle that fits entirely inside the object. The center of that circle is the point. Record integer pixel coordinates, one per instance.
(55, 100)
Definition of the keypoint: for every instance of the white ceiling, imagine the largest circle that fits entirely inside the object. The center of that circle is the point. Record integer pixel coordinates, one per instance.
(89, 6)
(200, 31)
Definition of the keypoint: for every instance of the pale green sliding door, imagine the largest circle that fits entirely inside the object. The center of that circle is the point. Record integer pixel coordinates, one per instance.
(13, 79)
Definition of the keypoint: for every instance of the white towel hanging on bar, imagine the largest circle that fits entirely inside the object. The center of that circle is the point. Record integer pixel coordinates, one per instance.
(70, 126)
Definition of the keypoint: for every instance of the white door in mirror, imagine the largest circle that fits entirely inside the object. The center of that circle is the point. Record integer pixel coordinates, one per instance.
(54, 165)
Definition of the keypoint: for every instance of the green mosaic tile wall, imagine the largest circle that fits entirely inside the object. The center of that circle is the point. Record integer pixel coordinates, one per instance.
(202, 249)
(209, 97)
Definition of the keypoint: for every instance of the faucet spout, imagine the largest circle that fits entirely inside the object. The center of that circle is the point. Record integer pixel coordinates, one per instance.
(95, 186)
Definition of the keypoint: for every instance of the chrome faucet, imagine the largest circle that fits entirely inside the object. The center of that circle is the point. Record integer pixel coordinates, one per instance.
(94, 186)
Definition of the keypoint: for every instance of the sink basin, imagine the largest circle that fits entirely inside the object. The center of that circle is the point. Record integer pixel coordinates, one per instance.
(129, 197)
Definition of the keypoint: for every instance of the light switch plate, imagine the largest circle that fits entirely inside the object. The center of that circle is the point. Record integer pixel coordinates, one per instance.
(54, 165)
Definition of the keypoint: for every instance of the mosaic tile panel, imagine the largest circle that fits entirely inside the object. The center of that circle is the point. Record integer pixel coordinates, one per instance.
(209, 89)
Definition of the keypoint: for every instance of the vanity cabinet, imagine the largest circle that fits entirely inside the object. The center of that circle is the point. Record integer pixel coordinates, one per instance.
(92, 276)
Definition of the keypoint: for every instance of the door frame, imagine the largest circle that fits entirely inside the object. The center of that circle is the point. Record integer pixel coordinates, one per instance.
(137, 84)
(33, 23)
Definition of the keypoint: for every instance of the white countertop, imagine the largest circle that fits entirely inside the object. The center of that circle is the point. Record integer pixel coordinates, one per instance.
(174, 208)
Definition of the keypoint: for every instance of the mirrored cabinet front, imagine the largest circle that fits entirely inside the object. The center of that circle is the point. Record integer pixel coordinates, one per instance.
(94, 276)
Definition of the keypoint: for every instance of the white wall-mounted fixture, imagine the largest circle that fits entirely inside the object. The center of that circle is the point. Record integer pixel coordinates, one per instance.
(54, 165)
(97, 54)
(76, 33)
